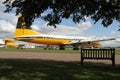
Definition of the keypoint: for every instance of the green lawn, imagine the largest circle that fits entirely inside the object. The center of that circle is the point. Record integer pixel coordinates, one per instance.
(52, 70)
(117, 51)
(42, 50)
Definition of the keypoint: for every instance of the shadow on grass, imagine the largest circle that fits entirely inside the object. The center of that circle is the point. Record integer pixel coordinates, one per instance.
(21, 69)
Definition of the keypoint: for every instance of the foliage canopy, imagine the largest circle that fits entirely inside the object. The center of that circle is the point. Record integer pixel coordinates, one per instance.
(105, 10)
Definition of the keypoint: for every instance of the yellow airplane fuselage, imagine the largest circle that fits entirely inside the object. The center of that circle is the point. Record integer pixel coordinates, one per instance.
(45, 41)
(41, 40)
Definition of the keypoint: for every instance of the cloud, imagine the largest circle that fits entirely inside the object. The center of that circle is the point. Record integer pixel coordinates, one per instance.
(60, 30)
(116, 33)
(6, 26)
(63, 29)
(85, 25)
(6, 29)
(1, 1)
(10, 17)
(7, 23)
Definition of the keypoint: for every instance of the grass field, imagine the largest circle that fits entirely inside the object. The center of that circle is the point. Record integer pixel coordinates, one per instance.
(52, 70)
(39, 50)
(50, 51)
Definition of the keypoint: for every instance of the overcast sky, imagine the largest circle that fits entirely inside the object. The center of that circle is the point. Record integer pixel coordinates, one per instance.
(67, 27)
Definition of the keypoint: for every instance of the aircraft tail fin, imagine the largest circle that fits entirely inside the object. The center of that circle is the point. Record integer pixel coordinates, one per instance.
(22, 29)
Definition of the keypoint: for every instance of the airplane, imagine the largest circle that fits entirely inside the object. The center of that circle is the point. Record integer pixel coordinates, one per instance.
(10, 43)
(7, 42)
(27, 34)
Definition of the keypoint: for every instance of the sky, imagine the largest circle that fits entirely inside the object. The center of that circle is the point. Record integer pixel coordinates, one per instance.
(8, 23)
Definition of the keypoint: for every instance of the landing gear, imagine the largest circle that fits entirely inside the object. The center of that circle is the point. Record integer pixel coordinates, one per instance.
(61, 47)
(75, 47)
(47, 47)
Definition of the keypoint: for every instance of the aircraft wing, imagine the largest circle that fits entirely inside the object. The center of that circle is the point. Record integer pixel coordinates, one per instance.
(98, 40)
(90, 40)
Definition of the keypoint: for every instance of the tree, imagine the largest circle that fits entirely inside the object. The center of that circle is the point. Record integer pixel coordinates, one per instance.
(105, 10)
